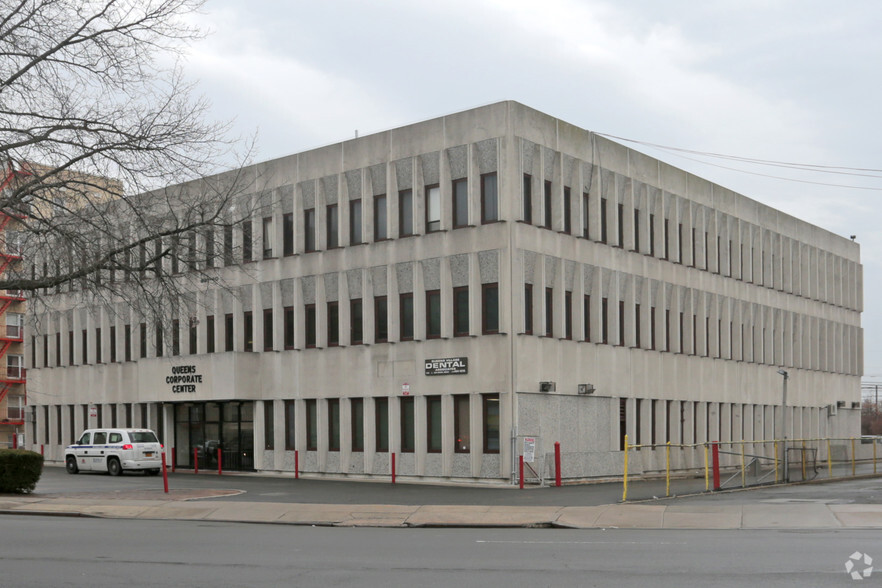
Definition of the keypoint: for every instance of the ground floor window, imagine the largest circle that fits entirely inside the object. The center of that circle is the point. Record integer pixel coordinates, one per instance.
(206, 431)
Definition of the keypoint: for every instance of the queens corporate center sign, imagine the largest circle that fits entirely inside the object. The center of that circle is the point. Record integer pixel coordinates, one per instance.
(447, 366)
(183, 379)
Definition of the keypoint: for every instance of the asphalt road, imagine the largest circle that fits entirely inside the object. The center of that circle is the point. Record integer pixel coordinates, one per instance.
(67, 551)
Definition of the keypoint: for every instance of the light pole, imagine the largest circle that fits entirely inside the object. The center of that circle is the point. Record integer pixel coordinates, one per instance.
(786, 375)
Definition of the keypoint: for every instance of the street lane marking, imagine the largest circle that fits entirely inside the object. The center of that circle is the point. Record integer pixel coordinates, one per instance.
(585, 542)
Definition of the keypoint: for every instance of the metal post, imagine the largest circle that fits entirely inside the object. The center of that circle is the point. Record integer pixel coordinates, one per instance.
(706, 471)
(521, 470)
(219, 471)
(625, 478)
(668, 469)
(557, 463)
(715, 453)
(743, 483)
(164, 474)
(296, 464)
(393, 468)
(195, 460)
(829, 460)
(786, 375)
(852, 456)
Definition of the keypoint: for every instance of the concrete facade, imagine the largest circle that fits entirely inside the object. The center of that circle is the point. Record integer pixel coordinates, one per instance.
(674, 301)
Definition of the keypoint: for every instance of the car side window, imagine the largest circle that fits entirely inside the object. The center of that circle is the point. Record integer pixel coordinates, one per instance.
(100, 438)
(84, 440)
(115, 438)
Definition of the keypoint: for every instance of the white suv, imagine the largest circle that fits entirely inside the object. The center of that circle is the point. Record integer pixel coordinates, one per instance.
(115, 450)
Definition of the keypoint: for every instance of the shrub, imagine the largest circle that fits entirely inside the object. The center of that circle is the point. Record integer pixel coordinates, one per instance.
(20, 470)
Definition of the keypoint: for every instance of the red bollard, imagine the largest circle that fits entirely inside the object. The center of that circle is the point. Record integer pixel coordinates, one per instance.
(41, 449)
(715, 452)
(557, 463)
(219, 472)
(393, 468)
(195, 461)
(521, 471)
(296, 464)
(164, 474)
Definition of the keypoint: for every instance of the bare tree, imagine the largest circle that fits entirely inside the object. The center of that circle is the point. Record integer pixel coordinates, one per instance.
(108, 154)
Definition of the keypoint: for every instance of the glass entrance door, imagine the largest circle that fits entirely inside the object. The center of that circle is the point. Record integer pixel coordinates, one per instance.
(206, 432)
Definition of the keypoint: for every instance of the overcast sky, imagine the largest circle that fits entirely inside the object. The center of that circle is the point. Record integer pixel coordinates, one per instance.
(793, 81)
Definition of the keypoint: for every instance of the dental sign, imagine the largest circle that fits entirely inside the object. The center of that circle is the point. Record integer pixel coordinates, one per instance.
(183, 379)
(447, 366)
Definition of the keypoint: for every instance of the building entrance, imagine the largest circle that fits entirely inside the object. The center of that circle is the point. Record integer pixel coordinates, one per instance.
(203, 428)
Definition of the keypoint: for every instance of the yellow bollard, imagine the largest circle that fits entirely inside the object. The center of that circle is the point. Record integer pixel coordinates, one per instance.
(706, 471)
(743, 484)
(776, 462)
(829, 460)
(852, 456)
(625, 490)
(668, 469)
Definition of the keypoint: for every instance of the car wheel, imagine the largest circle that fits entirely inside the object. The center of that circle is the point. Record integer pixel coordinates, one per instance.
(151, 472)
(71, 465)
(113, 466)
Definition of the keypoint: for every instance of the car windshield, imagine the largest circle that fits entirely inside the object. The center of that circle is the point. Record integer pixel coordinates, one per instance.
(143, 437)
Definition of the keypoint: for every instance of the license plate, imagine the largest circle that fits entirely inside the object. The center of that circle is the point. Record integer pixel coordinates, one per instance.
(148, 454)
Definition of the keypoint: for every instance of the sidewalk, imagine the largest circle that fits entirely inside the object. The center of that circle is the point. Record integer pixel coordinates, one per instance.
(185, 505)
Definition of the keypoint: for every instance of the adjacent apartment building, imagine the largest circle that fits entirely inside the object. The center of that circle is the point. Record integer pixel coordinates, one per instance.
(448, 290)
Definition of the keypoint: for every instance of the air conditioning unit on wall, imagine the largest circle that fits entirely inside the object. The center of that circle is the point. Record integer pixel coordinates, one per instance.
(547, 386)
(832, 410)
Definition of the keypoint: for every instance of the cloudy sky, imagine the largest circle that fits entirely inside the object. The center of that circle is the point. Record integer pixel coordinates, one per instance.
(786, 81)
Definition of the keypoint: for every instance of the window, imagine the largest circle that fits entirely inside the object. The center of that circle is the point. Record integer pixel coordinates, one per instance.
(528, 199)
(462, 423)
(176, 337)
(433, 209)
(461, 311)
(356, 406)
(603, 223)
(194, 334)
(405, 213)
(85, 347)
(332, 226)
(528, 309)
(174, 255)
(460, 203)
(547, 205)
(58, 347)
(289, 327)
(586, 316)
(356, 328)
(70, 348)
(142, 339)
(309, 229)
(433, 422)
(248, 327)
(268, 329)
(380, 228)
(381, 428)
(620, 224)
(407, 424)
(290, 436)
(355, 236)
(228, 332)
(405, 310)
(269, 433)
(381, 319)
(636, 230)
(491, 422)
(637, 325)
(209, 334)
(489, 308)
(604, 320)
(568, 315)
(333, 324)
(311, 422)
(268, 237)
(621, 323)
(246, 241)
(567, 213)
(158, 339)
(652, 235)
(586, 200)
(549, 312)
(652, 327)
(228, 245)
(433, 314)
(98, 358)
(310, 325)
(334, 424)
(489, 198)
(288, 233)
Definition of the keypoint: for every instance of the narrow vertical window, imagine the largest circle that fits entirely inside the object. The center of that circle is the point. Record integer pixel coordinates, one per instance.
(620, 224)
(460, 203)
(528, 199)
(586, 316)
(433, 424)
(311, 425)
(158, 340)
(603, 223)
(332, 226)
(652, 327)
(268, 237)
(547, 205)
(461, 311)
(381, 425)
(549, 312)
(433, 209)
(58, 346)
(174, 254)
(228, 332)
(568, 315)
(621, 323)
(209, 334)
(405, 308)
(310, 325)
(636, 230)
(489, 308)
(586, 214)
(289, 327)
(462, 423)
(176, 337)
(637, 325)
(356, 412)
(407, 422)
(567, 212)
(228, 245)
(84, 347)
(433, 314)
(290, 421)
(333, 324)
(267, 329)
(381, 319)
(528, 309)
(142, 339)
(269, 442)
(604, 320)
(309, 229)
(334, 424)
(98, 355)
(667, 241)
(405, 213)
(489, 198)
(288, 233)
(247, 241)
(355, 236)
(491, 422)
(380, 229)
(194, 334)
(356, 329)
(652, 235)
(248, 328)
